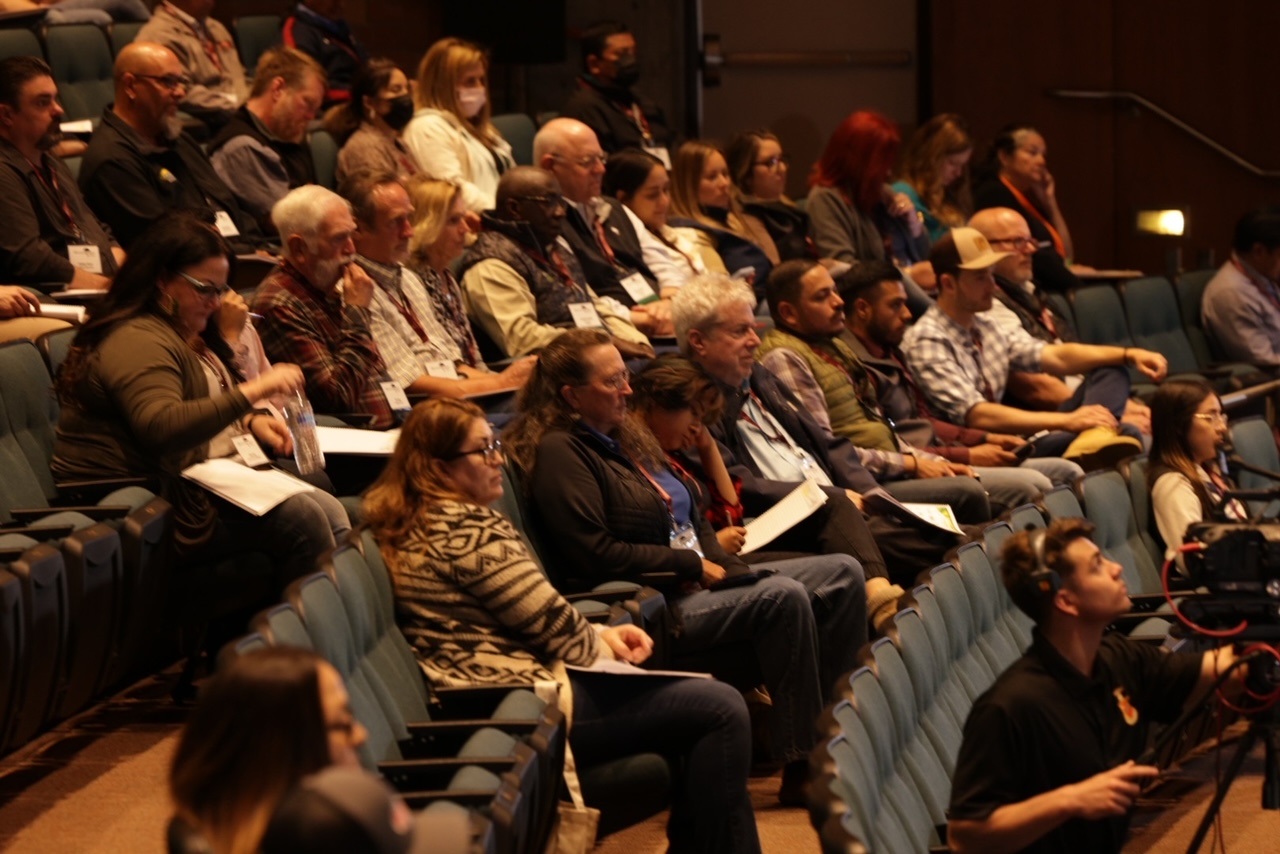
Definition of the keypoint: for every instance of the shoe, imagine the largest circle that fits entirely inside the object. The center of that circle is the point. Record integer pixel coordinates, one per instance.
(882, 603)
(795, 784)
(1101, 448)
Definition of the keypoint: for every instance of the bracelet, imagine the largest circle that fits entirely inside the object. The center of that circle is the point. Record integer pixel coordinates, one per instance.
(1124, 357)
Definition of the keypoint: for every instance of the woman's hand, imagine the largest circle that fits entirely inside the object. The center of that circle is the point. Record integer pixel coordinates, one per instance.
(231, 317)
(732, 539)
(281, 379)
(628, 643)
(711, 573)
(273, 433)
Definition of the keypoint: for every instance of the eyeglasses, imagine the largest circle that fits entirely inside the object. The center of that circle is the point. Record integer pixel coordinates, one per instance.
(205, 289)
(492, 453)
(1212, 417)
(585, 162)
(172, 82)
(618, 381)
(551, 201)
(774, 162)
(346, 727)
(737, 331)
(1015, 243)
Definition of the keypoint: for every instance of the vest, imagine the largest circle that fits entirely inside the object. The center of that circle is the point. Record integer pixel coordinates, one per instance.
(604, 276)
(294, 156)
(848, 389)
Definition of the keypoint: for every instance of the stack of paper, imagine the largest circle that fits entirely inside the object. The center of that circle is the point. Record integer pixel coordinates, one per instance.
(252, 490)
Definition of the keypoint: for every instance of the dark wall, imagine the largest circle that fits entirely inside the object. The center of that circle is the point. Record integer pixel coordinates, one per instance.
(1195, 60)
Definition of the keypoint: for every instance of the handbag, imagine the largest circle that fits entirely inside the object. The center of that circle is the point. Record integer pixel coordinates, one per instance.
(576, 823)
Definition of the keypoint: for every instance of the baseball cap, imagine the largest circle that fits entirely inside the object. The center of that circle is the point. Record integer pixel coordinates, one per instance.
(964, 249)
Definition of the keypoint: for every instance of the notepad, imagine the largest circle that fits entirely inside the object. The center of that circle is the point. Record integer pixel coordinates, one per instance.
(252, 490)
(362, 443)
(799, 505)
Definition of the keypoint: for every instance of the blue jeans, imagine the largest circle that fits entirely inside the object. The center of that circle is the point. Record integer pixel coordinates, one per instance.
(800, 631)
(701, 724)
(966, 496)
(1107, 387)
(294, 535)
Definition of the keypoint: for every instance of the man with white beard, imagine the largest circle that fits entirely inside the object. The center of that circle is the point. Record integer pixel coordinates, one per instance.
(140, 165)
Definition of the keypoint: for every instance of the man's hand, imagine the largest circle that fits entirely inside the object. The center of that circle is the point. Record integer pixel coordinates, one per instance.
(273, 433)
(18, 302)
(1152, 364)
(732, 538)
(518, 371)
(1111, 792)
(83, 280)
(711, 573)
(991, 455)
(653, 318)
(1092, 415)
(1007, 441)
(628, 643)
(1138, 414)
(933, 468)
(357, 287)
(855, 497)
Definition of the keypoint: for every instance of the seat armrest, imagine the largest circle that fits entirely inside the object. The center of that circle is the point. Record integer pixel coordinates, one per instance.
(96, 512)
(42, 533)
(88, 491)
(473, 701)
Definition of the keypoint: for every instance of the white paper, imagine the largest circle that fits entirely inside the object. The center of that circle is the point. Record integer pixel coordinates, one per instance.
(622, 668)
(253, 491)
(73, 313)
(638, 288)
(937, 515)
(799, 505)
(348, 440)
(249, 450)
(442, 368)
(585, 315)
(80, 293)
(81, 126)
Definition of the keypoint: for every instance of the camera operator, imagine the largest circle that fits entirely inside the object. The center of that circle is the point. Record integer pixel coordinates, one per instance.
(1047, 758)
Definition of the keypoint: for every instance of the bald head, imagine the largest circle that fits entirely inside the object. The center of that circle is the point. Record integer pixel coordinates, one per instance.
(570, 150)
(1007, 231)
(150, 84)
(531, 195)
(143, 58)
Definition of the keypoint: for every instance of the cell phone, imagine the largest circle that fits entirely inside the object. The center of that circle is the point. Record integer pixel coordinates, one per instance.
(1024, 451)
(744, 274)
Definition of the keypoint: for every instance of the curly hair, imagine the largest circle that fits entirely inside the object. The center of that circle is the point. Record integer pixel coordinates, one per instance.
(1018, 561)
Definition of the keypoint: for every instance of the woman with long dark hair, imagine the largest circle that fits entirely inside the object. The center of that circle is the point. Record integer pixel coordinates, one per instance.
(758, 168)
(935, 173)
(367, 128)
(642, 183)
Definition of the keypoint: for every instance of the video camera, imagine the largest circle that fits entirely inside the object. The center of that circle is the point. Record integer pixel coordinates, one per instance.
(1239, 563)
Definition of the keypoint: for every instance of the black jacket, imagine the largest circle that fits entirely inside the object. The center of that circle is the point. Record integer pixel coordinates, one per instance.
(604, 110)
(605, 276)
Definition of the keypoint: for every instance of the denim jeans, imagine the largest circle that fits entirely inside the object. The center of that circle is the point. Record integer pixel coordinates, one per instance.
(294, 535)
(966, 496)
(801, 629)
(701, 724)
(1107, 387)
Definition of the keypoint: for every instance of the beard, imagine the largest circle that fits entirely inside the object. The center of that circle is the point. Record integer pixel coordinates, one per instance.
(51, 137)
(170, 127)
(328, 272)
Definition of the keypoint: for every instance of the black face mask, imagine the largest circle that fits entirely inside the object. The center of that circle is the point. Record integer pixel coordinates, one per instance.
(626, 71)
(400, 113)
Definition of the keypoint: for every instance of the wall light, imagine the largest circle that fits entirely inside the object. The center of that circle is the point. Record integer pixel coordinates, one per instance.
(1172, 222)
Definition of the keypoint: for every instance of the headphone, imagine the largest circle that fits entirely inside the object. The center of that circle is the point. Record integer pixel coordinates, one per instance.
(1043, 583)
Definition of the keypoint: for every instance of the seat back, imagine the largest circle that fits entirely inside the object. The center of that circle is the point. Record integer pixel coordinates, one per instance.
(123, 33)
(280, 625)
(95, 603)
(1155, 322)
(990, 604)
(80, 57)
(254, 34)
(943, 709)
(13, 651)
(54, 345)
(1135, 471)
(324, 154)
(1025, 517)
(1108, 506)
(1189, 289)
(41, 573)
(848, 757)
(972, 668)
(517, 129)
(1100, 318)
(1061, 502)
(1255, 442)
(19, 42)
(30, 411)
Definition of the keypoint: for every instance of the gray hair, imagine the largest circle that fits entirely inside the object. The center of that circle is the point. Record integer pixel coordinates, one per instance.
(697, 304)
(303, 210)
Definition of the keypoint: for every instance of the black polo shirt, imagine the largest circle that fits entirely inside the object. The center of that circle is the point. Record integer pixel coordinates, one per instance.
(1043, 725)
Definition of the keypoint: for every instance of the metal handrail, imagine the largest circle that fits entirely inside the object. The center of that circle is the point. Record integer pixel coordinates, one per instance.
(1121, 95)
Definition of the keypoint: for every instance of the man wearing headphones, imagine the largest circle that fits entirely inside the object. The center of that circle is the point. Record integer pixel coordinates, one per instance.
(1047, 761)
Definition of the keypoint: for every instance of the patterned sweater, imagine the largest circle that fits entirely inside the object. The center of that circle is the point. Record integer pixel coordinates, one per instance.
(475, 606)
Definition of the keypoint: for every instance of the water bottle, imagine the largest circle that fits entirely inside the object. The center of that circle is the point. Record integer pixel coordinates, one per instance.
(302, 424)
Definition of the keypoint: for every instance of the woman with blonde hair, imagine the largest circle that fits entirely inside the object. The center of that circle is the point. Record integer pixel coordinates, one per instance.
(935, 173)
(451, 135)
(702, 200)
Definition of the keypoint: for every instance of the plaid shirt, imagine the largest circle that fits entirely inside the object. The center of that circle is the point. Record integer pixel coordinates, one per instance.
(330, 341)
(959, 368)
(399, 297)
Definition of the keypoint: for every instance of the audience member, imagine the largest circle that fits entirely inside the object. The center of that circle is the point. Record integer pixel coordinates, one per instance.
(854, 216)
(876, 318)
(1047, 761)
(641, 182)
(729, 240)
(962, 358)
(606, 505)
(1186, 483)
(677, 401)
(47, 232)
(148, 389)
(208, 56)
(767, 439)
(263, 153)
(101, 13)
(478, 609)
(935, 173)
(141, 166)
(605, 100)
(419, 354)
(318, 29)
(758, 168)
(804, 350)
(265, 721)
(452, 136)
(607, 240)
(308, 320)
(368, 126)
(20, 315)
(1014, 175)
(1241, 304)
(523, 283)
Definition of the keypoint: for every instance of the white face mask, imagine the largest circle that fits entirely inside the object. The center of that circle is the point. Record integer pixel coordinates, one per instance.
(471, 100)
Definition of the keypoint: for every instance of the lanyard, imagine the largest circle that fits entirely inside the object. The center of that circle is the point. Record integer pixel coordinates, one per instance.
(1266, 288)
(50, 183)
(666, 496)
(1058, 245)
(556, 264)
(201, 33)
(401, 302)
(976, 337)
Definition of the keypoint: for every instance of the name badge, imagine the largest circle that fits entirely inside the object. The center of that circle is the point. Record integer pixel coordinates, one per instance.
(85, 256)
(226, 227)
(685, 537)
(660, 152)
(396, 398)
(639, 289)
(442, 368)
(249, 450)
(585, 315)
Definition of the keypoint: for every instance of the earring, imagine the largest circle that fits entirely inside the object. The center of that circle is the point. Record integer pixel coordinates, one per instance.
(168, 305)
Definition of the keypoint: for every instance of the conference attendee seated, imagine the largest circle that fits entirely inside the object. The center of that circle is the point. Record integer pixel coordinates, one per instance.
(420, 354)
(961, 358)
(805, 352)
(876, 318)
(477, 608)
(1021, 302)
(935, 173)
(642, 183)
(1241, 304)
(606, 505)
(368, 127)
(149, 388)
(47, 232)
(607, 240)
(318, 29)
(315, 307)
(265, 720)
(770, 442)
(758, 168)
(263, 153)
(140, 166)
(523, 283)
(1187, 485)
(605, 98)
(1048, 757)
(208, 56)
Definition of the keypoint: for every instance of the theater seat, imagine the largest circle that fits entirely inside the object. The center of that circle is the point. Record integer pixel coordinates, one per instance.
(13, 650)
(41, 575)
(518, 130)
(254, 34)
(80, 57)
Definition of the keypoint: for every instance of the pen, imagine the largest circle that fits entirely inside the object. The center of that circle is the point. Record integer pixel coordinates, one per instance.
(255, 316)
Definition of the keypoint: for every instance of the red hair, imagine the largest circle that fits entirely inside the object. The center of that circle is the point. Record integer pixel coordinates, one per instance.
(858, 158)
